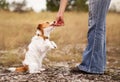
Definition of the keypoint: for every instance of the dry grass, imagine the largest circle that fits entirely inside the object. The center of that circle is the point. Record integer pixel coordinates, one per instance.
(9, 59)
(16, 29)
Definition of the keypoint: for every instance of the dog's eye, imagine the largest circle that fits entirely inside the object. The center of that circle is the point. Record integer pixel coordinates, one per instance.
(47, 22)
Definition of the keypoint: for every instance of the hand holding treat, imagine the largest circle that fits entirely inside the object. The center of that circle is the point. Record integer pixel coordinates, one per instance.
(59, 22)
(59, 19)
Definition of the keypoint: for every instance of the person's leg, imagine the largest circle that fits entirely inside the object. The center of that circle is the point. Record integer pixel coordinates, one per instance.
(94, 57)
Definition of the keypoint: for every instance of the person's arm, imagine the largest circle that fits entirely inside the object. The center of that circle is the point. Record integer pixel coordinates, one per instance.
(62, 7)
(60, 14)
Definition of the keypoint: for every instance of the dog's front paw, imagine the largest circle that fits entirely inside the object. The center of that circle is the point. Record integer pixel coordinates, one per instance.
(53, 44)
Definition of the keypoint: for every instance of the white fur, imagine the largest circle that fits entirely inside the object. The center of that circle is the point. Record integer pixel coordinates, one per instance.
(37, 50)
(12, 69)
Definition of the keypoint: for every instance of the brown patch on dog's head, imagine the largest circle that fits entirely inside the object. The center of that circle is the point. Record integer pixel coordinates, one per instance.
(41, 26)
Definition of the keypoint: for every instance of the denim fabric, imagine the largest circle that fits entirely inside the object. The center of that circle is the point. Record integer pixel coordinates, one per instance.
(94, 56)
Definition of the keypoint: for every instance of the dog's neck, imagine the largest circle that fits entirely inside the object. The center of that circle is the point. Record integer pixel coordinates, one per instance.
(44, 37)
(39, 34)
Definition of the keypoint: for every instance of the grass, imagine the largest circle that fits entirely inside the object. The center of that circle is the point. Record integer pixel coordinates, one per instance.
(11, 59)
(16, 30)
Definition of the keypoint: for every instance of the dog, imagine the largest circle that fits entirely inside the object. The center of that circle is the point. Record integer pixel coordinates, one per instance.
(37, 49)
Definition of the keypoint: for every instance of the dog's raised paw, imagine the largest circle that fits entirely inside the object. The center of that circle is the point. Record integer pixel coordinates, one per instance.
(53, 43)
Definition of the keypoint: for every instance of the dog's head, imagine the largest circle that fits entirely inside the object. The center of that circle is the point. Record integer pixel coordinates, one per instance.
(44, 29)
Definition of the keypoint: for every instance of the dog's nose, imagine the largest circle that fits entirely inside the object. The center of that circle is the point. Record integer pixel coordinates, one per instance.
(53, 22)
(55, 47)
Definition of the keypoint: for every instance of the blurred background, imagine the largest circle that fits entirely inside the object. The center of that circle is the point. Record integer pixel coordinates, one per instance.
(19, 19)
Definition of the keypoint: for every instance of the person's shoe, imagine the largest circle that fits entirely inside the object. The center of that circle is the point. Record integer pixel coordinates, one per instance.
(77, 70)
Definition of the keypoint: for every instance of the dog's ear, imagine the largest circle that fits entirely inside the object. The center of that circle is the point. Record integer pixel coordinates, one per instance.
(39, 27)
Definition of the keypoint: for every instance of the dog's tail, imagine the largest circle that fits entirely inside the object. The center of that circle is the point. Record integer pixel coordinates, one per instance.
(18, 69)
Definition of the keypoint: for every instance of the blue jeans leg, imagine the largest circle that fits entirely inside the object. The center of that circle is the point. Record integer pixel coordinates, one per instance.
(94, 57)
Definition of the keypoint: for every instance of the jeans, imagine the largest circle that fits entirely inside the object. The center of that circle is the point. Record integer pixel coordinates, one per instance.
(94, 56)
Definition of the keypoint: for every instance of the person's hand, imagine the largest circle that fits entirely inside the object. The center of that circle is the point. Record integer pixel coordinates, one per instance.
(59, 20)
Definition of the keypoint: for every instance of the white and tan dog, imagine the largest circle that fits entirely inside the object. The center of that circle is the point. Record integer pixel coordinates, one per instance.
(37, 49)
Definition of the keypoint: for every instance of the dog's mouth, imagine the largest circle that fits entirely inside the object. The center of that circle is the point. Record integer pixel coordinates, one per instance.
(52, 24)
